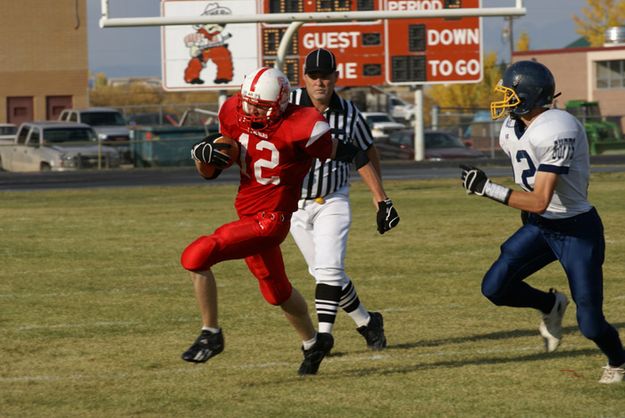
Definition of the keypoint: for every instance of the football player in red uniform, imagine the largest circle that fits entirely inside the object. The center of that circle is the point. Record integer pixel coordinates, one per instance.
(277, 143)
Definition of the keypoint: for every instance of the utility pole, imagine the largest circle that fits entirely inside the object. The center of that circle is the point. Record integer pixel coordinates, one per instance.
(510, 35)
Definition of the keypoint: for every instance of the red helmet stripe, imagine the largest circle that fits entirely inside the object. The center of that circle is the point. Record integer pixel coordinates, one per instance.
(255, 80)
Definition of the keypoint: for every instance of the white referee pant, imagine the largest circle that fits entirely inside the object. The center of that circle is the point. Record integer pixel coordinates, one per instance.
(320, 231)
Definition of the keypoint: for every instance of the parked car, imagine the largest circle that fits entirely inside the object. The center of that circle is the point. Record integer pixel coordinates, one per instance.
(381, 124)
(400, 109)
(108, 123)
(7, 133)
(56, 146)
(439, 145)
(483, 132)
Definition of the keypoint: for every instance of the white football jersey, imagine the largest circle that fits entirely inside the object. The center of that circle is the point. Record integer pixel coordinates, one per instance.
(554, 142)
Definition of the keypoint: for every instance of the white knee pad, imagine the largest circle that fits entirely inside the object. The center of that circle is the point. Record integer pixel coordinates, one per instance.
(330, 276)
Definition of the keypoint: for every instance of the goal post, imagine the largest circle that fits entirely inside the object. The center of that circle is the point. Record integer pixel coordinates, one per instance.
(443, 51)
(107, 22)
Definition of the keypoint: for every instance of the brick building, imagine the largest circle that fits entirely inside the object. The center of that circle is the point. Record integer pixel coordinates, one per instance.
(43, 59)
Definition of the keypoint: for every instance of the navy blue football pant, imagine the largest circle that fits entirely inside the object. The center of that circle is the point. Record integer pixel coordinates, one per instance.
(579, 245)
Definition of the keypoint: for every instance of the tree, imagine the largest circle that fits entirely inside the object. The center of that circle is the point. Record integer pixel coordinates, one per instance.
(100, 80)
(476, 95)
(599, 16)
(523, 43)
(144, 97)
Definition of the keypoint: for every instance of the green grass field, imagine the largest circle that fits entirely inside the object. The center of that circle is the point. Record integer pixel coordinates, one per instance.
(95, 311)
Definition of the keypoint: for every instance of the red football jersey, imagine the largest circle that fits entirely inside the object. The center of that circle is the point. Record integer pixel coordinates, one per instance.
(274, 163)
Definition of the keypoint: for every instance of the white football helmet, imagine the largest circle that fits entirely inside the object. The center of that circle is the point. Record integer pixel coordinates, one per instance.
(263, 98)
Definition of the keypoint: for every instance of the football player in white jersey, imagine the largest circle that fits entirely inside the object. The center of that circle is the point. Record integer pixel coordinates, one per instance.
(548, 149)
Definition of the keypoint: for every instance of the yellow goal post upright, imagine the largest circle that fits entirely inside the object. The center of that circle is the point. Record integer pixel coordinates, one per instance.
(296, 20)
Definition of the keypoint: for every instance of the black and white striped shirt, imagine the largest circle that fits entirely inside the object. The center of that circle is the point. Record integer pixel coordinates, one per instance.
(347, 125)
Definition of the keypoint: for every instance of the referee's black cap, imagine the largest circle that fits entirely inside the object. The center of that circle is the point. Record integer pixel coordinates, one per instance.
(320, 61)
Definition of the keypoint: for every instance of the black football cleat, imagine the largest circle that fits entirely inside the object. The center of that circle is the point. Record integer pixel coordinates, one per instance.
(374, 332)
(207, 345)
(315, 354)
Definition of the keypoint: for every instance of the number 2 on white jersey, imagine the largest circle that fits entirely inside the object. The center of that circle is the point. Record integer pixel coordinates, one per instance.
(529, 172)
(244, 139)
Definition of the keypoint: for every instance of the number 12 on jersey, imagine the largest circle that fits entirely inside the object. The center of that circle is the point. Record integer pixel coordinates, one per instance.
(261, 163)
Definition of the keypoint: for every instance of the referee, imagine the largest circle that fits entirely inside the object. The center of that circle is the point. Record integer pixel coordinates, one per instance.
(321, 225)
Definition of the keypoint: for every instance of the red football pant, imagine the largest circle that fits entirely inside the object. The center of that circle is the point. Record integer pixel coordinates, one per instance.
(256, 239)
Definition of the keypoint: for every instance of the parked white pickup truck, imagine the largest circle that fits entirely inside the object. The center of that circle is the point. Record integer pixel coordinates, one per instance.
(108, 123)
(7, 133)
(56, 146)
(381, 124)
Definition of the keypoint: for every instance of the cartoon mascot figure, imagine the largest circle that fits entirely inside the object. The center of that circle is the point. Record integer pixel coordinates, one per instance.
(207, 43)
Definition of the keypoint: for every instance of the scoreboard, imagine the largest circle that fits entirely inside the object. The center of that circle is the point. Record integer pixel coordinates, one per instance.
(375, 52)
(393, 51)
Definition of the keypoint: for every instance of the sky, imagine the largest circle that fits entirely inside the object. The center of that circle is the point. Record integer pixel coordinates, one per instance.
(136, 52)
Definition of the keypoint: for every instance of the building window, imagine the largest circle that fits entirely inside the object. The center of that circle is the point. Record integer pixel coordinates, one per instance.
(55, 105)
(610, 74)
(20, 109)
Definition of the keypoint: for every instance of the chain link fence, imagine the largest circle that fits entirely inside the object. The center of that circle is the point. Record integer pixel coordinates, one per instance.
(474, 126)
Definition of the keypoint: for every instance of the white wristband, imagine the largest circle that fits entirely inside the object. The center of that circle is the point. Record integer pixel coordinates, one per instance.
(497, 192)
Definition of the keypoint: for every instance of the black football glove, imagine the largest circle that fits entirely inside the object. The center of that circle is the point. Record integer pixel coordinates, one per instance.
(387, 217)
(475, 181)
(207, 151)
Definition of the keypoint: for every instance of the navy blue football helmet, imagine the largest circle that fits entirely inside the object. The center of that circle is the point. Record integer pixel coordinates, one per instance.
(525, 85)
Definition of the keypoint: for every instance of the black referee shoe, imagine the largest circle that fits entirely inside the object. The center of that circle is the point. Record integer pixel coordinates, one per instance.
(374, 332)
(207, 345)
(315, 354)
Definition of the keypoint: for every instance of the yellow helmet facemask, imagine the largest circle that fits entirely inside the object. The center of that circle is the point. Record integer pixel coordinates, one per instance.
(510, 100)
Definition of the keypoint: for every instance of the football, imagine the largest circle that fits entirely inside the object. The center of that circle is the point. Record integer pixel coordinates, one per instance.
(208, 170)
(232, 152)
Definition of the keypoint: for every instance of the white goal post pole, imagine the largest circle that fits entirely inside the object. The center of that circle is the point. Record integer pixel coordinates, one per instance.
(298, 19)
(418, 141)
(104, 11)
(107, 22)
(285, 42)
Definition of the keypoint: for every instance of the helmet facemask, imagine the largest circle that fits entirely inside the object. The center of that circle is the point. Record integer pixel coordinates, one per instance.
(269, 113)
(509, 102)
